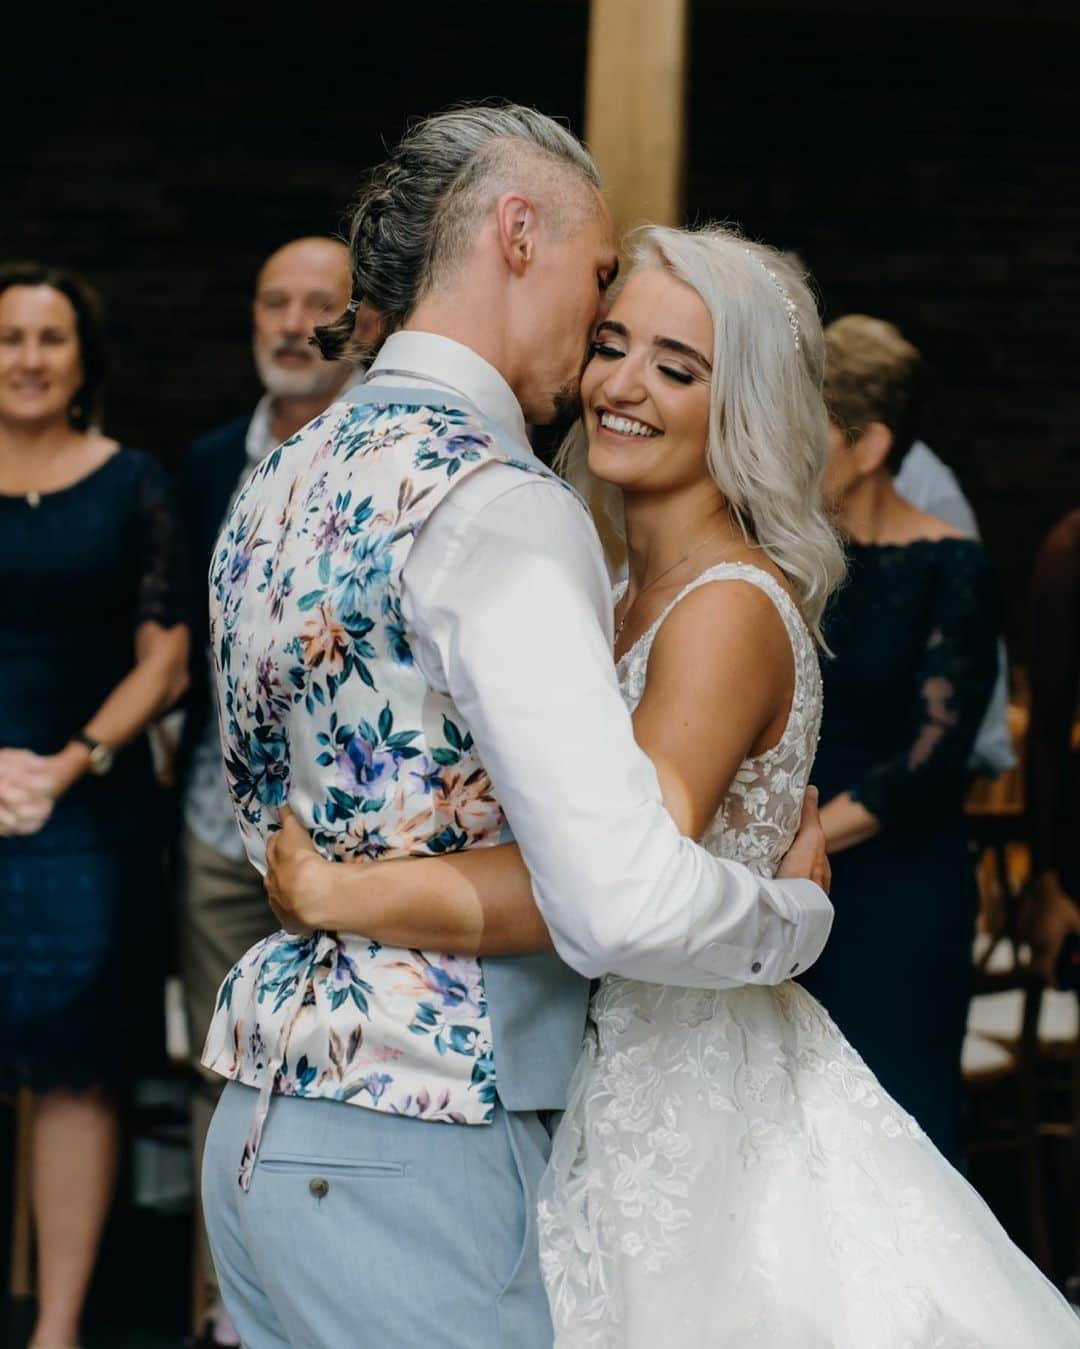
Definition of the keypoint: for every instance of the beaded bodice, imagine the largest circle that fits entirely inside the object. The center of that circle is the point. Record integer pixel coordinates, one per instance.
(760, 814)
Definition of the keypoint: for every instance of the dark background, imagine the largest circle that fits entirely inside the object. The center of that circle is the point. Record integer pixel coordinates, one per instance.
(922, 161)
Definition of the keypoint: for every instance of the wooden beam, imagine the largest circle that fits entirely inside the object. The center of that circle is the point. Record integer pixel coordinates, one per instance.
(635, 102)
(635, 125)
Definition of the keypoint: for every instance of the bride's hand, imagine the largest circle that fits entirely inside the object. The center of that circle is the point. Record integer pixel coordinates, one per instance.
(298, 878)
(807, 859)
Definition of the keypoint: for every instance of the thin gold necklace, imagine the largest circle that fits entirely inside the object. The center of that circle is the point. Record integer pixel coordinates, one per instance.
(649, 584)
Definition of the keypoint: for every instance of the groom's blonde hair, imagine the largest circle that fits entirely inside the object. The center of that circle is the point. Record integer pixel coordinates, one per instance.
(768, 425)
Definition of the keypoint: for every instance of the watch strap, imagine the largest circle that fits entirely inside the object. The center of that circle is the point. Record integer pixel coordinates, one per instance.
(101, 756)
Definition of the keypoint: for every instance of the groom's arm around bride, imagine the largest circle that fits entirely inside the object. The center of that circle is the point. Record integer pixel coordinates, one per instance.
(517, 618)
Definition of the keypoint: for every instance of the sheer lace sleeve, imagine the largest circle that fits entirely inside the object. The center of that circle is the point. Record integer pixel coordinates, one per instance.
(950, 690)
(162, 596)
(1054, 665)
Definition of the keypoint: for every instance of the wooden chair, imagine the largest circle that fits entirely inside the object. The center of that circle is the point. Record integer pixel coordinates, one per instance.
(1038, 1027)
(1013, 1080)
(1059, 1063)
(996, 821)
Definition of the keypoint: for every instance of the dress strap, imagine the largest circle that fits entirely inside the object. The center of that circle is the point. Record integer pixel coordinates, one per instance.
(803, 650)
(756, 576)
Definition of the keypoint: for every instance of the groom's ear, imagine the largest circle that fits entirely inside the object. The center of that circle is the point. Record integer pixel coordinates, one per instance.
(515, 223)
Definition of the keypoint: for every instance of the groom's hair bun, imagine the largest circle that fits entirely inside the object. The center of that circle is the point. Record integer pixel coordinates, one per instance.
(417, 212)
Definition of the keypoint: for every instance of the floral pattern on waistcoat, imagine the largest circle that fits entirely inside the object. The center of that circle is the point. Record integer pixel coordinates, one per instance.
(320, 704)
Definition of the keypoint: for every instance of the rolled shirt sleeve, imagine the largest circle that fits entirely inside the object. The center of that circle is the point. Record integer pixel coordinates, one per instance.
(509, 610)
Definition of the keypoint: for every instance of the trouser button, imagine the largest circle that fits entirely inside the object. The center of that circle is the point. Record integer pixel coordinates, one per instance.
(319, 1187)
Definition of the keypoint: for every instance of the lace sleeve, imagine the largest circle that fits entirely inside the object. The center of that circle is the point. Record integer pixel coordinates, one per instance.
(1054, 665)
(162, 596)
(950, 691)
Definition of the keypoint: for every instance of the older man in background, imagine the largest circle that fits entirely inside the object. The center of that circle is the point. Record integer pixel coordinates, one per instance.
(222, 903)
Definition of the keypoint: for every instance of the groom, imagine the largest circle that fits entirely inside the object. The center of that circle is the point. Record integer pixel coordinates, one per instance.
(411, 624)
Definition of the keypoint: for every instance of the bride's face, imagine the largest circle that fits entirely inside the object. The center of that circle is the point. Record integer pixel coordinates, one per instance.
(646, 389)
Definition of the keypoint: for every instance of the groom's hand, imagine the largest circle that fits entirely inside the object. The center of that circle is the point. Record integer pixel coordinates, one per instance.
(807, 859)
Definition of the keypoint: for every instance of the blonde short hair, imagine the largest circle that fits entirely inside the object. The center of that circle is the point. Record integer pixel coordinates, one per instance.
(873, 374)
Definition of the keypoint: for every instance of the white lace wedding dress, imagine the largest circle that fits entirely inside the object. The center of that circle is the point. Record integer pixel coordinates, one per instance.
(730, 1173)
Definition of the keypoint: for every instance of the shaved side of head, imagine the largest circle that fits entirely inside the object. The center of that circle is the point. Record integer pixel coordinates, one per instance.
(564, 198)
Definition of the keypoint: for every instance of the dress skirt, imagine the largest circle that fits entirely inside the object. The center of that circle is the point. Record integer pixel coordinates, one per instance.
(78, 1004)
(729, 1174)
(896, 975)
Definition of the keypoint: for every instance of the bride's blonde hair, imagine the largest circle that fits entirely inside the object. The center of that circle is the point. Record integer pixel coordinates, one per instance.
(768, 426)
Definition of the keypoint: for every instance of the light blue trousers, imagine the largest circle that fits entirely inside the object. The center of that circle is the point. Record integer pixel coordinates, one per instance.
(364, 1230)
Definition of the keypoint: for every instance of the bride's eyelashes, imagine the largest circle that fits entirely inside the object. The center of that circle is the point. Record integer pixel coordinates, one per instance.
(680, 376)
(606, 352)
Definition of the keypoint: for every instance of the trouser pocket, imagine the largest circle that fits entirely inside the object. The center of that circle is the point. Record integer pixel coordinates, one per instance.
(284, 1164)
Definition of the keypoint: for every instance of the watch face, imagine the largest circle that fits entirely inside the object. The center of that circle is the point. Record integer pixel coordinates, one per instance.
(101, 759)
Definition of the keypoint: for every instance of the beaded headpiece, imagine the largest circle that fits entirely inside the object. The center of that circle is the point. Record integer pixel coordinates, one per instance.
(789, 304)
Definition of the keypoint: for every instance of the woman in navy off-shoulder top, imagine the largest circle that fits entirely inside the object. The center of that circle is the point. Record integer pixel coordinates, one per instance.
(913, 634)
(92, 648)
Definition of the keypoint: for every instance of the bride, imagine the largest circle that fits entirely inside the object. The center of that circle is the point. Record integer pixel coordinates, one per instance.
(728, 1171)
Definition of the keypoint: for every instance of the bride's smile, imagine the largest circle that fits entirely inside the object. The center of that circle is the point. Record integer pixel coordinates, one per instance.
(647, 387)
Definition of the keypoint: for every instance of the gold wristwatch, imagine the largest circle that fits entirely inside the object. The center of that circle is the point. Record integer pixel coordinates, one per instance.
(101, 756)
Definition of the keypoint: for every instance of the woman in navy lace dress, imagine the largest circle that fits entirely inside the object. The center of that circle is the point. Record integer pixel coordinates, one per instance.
(913, 633)
(92, 648)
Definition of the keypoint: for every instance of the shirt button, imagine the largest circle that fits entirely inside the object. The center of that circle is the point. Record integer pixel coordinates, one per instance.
(755, 968)
(319, 1188)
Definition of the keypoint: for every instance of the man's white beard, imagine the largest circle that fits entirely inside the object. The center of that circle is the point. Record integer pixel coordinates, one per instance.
(312, 381)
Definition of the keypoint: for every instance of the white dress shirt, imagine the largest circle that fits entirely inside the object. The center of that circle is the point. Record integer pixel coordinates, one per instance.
(508, 605)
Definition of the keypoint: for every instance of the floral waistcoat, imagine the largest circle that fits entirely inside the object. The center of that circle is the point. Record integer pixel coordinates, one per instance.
(320, 703)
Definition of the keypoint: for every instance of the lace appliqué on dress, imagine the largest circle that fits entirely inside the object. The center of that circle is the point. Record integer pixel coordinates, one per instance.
(730, 1173)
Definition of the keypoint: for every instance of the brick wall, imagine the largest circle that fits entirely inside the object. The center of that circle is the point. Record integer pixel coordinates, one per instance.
(926, 170)
(924, 166)
(166, 172)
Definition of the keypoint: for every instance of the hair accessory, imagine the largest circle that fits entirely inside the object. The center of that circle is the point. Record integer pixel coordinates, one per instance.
(789, 303)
